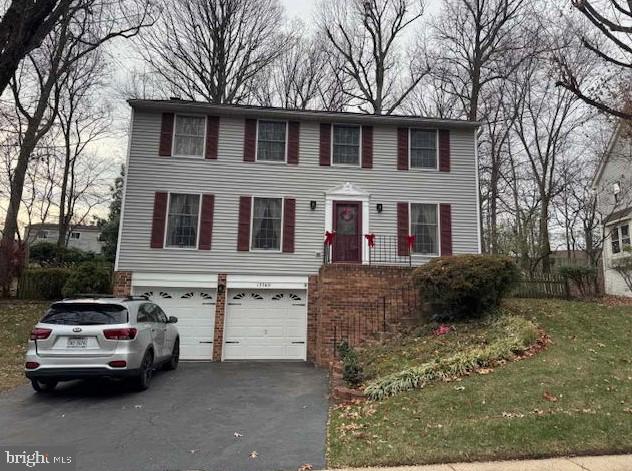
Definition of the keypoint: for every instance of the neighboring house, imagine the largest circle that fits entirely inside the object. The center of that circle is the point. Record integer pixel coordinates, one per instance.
(226, 210)
(83, 237)
(613, 186)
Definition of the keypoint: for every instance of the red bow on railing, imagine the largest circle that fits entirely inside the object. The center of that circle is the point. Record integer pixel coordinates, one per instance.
(370, 239)
(411, 241)
(329, 237)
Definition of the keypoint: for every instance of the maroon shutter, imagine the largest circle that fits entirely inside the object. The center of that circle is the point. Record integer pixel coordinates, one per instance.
(402, 148)
(243, 230)
(158, 220)
(250, 140)
(206, 222)
(289, 222)
(166, 134)
(444, 150)
(212, 136)
(445, 222)
(294, 128)
(402, 229)
(325, 144)
(367, 146)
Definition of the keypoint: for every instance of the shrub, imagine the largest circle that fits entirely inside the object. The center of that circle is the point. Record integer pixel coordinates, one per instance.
(89, 277)
(352, 372)
(520, 334)
(42, 283)
(463, 286)
(623, 266)
(46, 254)
(582, 276)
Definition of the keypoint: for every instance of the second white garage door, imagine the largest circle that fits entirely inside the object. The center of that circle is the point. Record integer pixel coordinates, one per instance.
(195, 310)
(265, 325)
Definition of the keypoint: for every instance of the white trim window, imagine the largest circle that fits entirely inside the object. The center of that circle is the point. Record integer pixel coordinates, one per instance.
(345, 145)
(620, 238)
(423, 148)
(42, 234)
(75, 235)
(183, 219)
(272, 141)
(267, 223)
(616, 191)
(189, 135)
(424, 225)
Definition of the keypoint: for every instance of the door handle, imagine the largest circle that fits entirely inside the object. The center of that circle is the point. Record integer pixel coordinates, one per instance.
(232, 341)
(298, 342)
(206, 342)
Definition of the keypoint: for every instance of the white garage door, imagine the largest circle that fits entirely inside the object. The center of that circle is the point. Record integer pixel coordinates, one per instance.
(195, 310)
(266, 325)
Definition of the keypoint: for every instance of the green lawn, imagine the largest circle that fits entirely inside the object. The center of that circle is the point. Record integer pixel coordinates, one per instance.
(16, 321)
(573, 398)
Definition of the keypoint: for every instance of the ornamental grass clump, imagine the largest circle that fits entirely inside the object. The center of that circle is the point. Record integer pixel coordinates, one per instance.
(465, 286)
(518, 334)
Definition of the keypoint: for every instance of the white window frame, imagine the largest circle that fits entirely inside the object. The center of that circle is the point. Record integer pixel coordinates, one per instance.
(44, 232)
(287, 138)
(410, 151)
(331, 149)
(72, 233)
(615, 235)
(410, 227)
(173, 136)
(197, 242)
(252, 217)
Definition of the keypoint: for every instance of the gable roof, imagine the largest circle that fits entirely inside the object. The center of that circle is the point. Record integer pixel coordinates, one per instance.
(606, 156)
(186, 106)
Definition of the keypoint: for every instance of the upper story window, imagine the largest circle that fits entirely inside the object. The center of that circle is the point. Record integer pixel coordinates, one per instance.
(346, 145)
(182, 220)
(266, 223)
(188, 138)
(42, 234)
(271, 144)
(616, 190)
(424, 226)
(423, 148)
(75, 235)
(620, 238)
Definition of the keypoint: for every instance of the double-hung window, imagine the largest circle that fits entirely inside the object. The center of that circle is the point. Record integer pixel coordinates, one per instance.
(423, 148)
(271, 145)
(75, 235)
(620, 238)
(266, 223)
(182, 220)
(424, 226)
(346, 145)
(189, 136)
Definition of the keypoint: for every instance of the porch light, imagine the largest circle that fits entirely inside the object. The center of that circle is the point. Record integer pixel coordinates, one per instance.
(312, 205)
(221, 288)
(379, 207)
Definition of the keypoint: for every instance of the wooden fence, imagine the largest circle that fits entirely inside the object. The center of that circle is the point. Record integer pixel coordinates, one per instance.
(542, 285)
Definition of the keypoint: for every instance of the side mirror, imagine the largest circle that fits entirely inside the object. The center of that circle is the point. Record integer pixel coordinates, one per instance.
(172, 319)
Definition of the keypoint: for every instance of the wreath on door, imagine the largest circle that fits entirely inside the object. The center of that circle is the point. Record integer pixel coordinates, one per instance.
(346, 214)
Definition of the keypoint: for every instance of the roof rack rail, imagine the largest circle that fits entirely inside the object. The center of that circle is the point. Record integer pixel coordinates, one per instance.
(89, 295)
(137, 297)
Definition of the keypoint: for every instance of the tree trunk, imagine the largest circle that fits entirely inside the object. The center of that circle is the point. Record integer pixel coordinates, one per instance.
(545, 243)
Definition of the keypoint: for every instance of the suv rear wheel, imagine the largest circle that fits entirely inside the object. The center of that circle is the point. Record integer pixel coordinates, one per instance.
(172, 364)
(146, 371)
(43, 386)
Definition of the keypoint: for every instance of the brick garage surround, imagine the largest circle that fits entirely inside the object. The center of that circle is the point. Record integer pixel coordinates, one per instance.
(122, 285)
(220, 310)
(341, 291)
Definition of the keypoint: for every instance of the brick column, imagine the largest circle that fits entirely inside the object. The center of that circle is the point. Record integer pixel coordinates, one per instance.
(122, 283)
(312, 318)
(220, 308)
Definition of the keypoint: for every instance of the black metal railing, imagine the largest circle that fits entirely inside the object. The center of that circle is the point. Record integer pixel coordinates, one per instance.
(381, 250)
(363, 320)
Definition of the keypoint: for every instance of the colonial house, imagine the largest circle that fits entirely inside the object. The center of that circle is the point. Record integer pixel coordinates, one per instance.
(612, 184)
(82, 236)
(259, 227)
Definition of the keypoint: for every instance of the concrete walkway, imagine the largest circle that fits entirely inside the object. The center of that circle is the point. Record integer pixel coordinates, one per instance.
(586, 463)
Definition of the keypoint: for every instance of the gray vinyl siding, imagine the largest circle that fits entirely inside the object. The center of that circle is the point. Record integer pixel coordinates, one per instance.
(229, 177)
(618, 168)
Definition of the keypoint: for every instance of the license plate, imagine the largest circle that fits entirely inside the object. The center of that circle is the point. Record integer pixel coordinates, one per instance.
(77, 342)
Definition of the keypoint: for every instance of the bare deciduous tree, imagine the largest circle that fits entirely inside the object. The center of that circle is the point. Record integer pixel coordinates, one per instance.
(368, 34)
(214, 50)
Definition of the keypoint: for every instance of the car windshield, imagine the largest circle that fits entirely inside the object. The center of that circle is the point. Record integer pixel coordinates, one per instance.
(85, 314)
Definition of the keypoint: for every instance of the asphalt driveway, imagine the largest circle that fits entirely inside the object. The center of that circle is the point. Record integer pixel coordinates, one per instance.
(187, 420)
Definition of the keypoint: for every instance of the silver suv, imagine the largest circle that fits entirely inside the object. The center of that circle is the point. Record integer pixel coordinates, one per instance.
(101, 337)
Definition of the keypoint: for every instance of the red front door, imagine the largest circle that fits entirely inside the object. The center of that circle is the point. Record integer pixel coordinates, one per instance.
(347, 224)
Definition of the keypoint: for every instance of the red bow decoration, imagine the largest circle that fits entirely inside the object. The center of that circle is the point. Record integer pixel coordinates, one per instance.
(371, 239)
(329, 237)
(411, 241)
